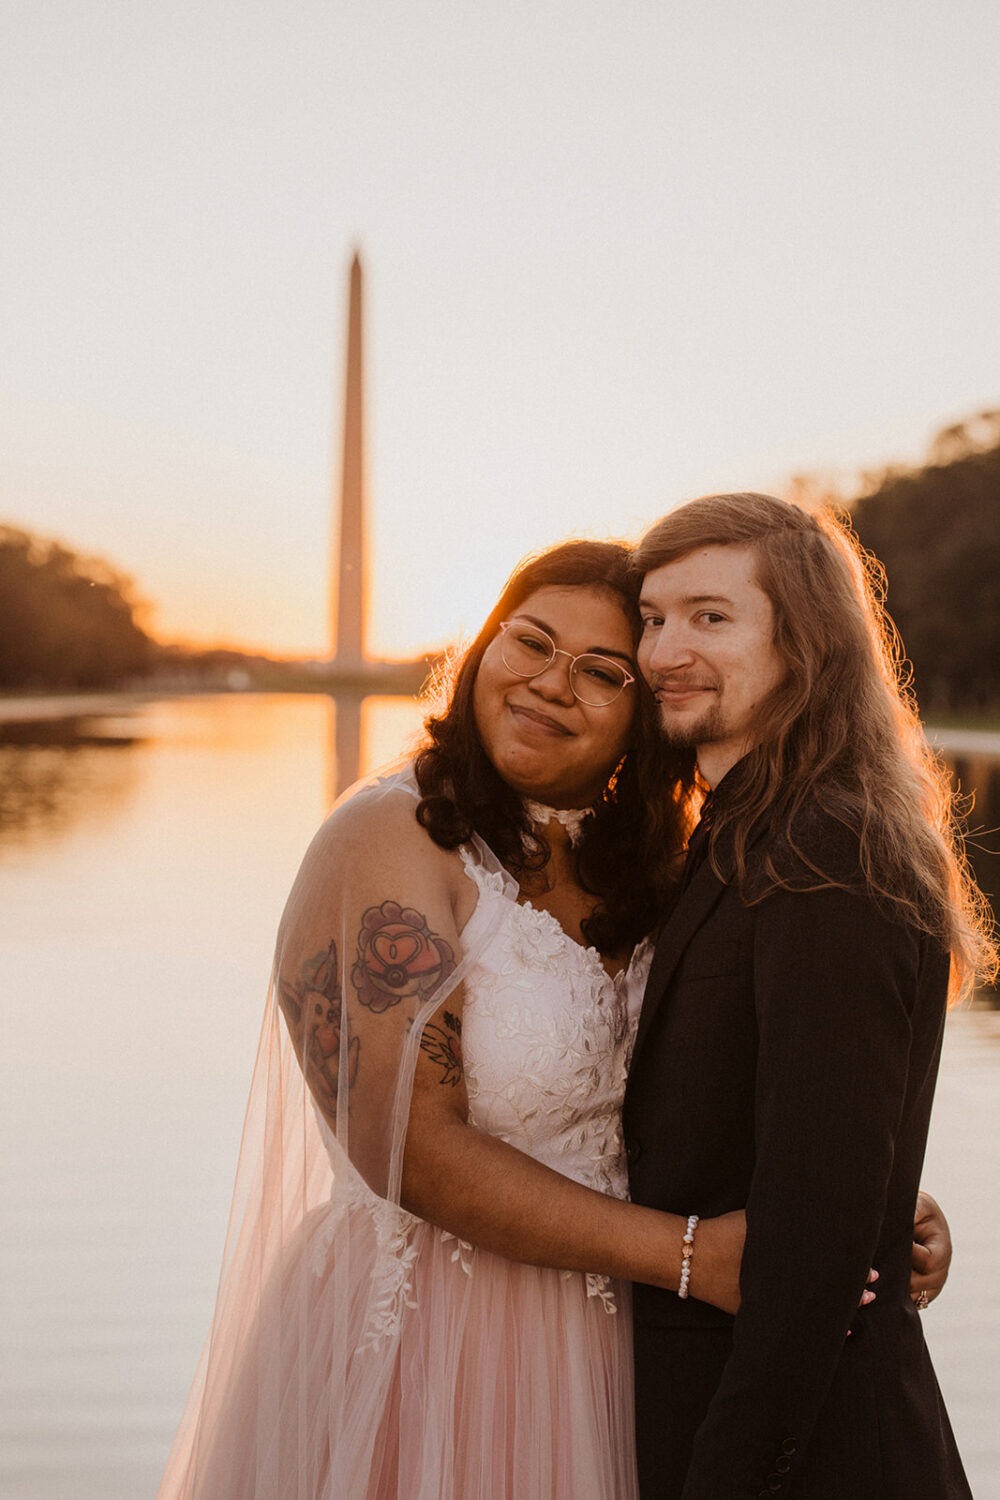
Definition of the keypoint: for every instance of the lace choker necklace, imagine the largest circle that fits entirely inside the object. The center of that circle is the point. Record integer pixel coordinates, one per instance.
(571, 818)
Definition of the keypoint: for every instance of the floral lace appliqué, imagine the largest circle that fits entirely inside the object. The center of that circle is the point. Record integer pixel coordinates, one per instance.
(395, 1251)
(490, 881)
(463, 1254)
(534, 942)
(391, 1277)
(600, 1286)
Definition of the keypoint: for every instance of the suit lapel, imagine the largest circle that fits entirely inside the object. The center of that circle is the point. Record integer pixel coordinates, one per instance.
(691, 910)
(701, 896)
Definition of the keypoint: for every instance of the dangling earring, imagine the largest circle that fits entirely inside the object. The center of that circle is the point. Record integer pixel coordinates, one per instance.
(610, 793)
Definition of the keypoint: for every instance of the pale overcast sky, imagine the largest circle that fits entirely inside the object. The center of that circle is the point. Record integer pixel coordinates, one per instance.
(616, 255)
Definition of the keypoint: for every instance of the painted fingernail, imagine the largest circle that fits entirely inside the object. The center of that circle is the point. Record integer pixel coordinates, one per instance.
(873, 1274)
(867, 1297)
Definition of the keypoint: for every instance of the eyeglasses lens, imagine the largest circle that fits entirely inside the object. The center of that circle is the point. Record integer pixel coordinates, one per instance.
(595, 680)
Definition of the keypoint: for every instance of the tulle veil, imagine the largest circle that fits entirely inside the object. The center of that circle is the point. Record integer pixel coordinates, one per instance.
(292, 1397)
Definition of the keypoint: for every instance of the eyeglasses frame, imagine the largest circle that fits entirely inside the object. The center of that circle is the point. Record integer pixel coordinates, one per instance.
(505, 625)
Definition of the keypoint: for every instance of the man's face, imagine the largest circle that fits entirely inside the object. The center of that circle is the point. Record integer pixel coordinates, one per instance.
(707, 651)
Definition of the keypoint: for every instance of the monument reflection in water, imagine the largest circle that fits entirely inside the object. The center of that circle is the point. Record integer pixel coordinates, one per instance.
(369, 731)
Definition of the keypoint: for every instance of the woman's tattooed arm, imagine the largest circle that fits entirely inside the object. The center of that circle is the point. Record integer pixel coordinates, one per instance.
(399, 958)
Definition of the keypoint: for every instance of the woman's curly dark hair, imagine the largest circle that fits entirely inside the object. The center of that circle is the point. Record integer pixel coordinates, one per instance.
(627, 855)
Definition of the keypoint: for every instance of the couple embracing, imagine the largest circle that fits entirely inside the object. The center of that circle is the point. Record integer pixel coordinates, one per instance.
(637, 974)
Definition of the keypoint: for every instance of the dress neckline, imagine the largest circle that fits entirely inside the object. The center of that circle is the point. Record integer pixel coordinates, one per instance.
(498, 883)
(587, 949)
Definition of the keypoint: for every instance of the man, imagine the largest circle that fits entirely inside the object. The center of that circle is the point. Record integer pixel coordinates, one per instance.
(789, 1038)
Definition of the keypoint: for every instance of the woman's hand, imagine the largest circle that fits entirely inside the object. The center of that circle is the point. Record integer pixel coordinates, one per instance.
(931, 1251)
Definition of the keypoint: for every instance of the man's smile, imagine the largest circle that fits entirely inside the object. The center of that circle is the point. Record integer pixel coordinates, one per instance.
(677, 693)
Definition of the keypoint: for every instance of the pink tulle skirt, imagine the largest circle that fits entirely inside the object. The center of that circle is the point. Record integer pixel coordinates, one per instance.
(384, 1366)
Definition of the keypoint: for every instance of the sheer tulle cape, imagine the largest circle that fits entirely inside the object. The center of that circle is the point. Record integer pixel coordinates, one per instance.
(509, 1382)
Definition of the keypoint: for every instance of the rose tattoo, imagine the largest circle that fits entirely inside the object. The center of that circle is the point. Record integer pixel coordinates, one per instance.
(399, 958)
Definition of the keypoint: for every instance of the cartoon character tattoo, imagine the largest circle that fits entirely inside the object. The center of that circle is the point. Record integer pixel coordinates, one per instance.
(311, 1007)
(399, 958)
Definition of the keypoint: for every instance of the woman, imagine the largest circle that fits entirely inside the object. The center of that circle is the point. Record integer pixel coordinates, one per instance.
(420, 1296)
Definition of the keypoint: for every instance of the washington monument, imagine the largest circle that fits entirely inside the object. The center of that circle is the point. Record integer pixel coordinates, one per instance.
(350, 580)
(350, 665)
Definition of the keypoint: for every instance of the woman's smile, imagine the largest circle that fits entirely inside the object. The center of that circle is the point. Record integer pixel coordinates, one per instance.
(533, 721)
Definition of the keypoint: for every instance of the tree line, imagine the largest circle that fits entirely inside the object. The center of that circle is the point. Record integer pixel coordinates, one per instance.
(66, 621)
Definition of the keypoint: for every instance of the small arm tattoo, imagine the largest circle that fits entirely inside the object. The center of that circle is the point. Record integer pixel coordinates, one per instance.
(311, 1005)
(399, 958)
(443, 1045)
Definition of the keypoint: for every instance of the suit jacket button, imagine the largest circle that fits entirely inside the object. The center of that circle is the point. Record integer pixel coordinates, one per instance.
(788, 1446)
(633, 1152)
(783, 1465)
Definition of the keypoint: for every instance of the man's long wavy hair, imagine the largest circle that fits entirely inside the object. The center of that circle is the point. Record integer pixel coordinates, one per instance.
(626, 856)
(841, 731)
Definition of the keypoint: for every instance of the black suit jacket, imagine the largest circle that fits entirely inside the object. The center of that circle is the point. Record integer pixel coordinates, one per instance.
(785, 1062)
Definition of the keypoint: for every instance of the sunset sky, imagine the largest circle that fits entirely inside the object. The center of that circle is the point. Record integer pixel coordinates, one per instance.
(616, 255)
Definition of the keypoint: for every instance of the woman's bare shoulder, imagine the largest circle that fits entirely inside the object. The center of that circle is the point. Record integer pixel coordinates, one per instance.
(377, 825)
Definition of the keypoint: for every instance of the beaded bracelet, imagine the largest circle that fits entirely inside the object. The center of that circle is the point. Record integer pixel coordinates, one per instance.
(687, 1250)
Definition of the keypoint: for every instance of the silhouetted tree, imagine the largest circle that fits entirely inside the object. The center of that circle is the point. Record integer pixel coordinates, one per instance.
(65, 621)
(936, 530)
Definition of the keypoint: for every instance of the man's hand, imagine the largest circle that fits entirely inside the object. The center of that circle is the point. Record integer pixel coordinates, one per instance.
(931, 1250)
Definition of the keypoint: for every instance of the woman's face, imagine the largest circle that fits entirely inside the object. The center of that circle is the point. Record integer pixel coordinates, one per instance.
(541, 739)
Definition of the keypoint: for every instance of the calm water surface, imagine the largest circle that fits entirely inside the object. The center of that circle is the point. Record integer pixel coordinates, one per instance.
(143, 868)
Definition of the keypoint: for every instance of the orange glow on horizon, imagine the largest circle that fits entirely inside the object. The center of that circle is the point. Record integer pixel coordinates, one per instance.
(199, 641)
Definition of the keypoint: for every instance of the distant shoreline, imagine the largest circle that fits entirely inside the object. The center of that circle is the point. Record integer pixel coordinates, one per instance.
(39, 708)
(43, 707)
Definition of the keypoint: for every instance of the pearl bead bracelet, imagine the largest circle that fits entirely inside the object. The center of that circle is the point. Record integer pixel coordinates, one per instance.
(687, 1250)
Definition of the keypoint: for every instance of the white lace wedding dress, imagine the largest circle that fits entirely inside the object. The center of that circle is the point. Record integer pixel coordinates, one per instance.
(360, 1353)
